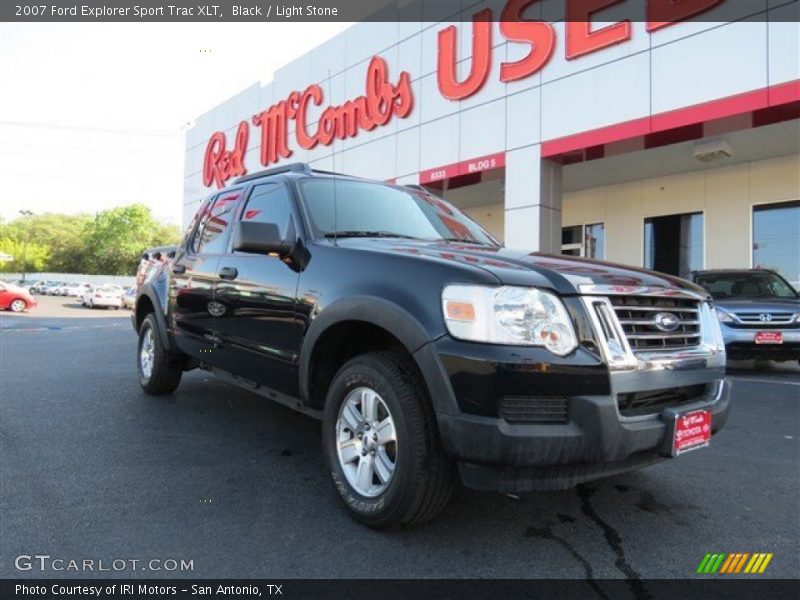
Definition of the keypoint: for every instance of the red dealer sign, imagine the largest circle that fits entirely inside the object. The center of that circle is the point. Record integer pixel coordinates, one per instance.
(581, 38)
(382, 100)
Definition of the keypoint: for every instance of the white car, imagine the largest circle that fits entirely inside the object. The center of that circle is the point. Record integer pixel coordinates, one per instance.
(73, 290)
(102, 296)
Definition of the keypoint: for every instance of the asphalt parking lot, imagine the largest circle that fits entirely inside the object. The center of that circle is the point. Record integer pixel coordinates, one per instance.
(91, 468)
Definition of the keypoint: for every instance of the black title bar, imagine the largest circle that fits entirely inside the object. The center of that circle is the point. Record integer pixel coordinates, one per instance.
(106, 11)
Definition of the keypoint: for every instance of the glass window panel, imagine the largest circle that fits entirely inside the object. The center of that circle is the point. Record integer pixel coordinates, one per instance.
(595, 241)
(776, 239)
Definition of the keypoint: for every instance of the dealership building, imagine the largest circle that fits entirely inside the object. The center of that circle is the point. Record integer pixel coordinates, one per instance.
(668, 145)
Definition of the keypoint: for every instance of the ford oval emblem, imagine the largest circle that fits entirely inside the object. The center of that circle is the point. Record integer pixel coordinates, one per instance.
(666, 321)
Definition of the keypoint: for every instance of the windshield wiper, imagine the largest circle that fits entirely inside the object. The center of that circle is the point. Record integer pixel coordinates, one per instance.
(359, 233)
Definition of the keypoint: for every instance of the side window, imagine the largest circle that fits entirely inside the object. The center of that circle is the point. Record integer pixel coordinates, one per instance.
(269, 203)
(212, 235)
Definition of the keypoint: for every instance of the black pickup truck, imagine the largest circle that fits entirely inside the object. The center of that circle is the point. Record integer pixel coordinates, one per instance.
(424, 346)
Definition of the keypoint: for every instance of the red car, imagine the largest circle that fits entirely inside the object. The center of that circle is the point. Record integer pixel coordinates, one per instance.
(15, 299)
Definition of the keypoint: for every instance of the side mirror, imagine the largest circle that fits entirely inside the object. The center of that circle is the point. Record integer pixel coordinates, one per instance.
(263, 238)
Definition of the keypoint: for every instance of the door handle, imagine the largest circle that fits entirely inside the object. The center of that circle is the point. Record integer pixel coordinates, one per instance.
(228, 273)
(179, 269)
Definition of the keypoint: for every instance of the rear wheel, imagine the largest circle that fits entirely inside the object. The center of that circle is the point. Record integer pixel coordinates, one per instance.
(18, 305)
(381, 443)
(159, 374)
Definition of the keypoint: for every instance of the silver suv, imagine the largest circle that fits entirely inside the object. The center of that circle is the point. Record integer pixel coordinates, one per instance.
(759, 312)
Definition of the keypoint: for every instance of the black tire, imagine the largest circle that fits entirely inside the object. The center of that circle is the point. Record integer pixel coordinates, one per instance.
(165, 372)
(423, 475)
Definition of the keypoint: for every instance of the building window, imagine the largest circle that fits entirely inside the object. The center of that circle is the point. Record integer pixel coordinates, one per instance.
(776, 229)
(584, 240)
(673, 244)
(594, 241)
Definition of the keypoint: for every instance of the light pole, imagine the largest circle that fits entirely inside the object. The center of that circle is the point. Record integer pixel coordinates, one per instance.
(25, 213)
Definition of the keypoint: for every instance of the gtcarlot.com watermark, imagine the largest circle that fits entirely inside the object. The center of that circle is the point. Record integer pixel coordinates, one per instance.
(46, 563)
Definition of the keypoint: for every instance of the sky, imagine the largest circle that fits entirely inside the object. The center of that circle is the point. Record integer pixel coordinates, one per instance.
(94, 115)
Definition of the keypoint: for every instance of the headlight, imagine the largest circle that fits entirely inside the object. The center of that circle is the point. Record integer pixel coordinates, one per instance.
(508, 315)
(724, 317)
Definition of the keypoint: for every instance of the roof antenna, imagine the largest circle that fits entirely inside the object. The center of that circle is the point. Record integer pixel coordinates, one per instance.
(333, 162)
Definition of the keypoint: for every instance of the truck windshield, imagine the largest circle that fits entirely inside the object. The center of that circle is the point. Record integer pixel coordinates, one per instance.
(367, 209)
(745, 285)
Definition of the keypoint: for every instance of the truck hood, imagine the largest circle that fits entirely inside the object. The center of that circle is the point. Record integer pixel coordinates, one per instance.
(512, 267)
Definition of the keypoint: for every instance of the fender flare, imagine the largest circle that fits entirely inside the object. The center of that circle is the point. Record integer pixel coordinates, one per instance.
(368, 309)
(148, 290)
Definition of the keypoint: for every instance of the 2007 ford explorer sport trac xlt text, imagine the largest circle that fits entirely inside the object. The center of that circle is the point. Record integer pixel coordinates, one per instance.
(424, 346)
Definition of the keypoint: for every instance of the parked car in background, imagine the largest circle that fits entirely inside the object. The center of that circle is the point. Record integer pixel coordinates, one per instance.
(28, 284)
(104, 295)
(129, 297)
(15, 298)
(49, 289)
(759, 312)
(42, 285)
(36, 287)
(73, 290)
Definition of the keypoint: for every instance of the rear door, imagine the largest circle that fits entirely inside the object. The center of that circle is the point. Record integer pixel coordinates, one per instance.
(256, 296)
(194, 274)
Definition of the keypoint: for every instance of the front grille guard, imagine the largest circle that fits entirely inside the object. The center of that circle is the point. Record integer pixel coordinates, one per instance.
(616, 350)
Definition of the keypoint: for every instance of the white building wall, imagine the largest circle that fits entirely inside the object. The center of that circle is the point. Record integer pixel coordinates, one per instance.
(675, 67)
(724, 195)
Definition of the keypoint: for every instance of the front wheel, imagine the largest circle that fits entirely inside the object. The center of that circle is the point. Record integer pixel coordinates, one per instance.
(18, 305)
(158, 374)
(381, 443)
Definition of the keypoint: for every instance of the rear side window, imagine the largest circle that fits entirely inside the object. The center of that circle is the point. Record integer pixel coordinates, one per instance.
(269, 203)
(211, 236)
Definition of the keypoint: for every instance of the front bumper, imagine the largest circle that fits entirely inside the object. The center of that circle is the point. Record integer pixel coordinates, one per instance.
(595, 440)
(740, 344)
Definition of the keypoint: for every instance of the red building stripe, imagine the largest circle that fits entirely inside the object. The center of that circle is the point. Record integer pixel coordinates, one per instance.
(754, 100)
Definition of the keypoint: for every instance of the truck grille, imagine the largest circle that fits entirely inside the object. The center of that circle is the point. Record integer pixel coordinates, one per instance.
(516, 409)
(637, 315)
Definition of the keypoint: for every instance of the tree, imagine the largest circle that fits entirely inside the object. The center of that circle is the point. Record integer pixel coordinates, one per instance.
(61, 234)
(115, 239)
(35, 255)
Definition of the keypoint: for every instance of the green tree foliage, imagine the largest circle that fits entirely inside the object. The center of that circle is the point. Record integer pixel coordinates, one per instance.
(35, 256)
(115, 239)
(108, 243)
(61, 234)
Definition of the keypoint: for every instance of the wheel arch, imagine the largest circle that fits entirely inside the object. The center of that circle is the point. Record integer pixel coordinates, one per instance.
(347, 328)
(148, 302)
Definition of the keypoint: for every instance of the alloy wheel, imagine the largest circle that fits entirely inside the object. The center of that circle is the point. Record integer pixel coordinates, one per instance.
(366, 442)
(147, 353)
